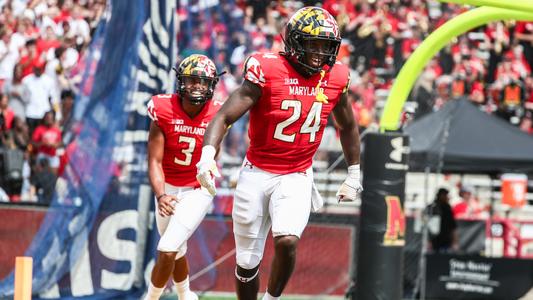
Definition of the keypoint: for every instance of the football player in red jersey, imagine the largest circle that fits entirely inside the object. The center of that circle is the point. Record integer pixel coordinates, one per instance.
(176, 134)
(290, 96)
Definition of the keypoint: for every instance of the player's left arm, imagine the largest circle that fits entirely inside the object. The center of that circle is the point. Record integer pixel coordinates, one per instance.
(348, 130)
(351, 188)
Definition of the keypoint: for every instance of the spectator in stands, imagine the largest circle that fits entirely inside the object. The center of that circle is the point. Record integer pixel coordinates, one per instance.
(498, 39)
(48, 41)
(30, 58)
(528, 105)
(442, 224)
(511, 101)
(477, 90)
(6, 115)
(362, 113)
(469, 205)
(79, 28)
(6, 122)
(67, 102)
(46, 139)
(15, 90)
(40, 94)
(527, 123)
(524, 35)
(20, 134)
(43, 180)
(8, 56)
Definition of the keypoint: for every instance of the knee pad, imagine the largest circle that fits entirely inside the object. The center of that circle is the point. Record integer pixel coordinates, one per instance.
(246, 279)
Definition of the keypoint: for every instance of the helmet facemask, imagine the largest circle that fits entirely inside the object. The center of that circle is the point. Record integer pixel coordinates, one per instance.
(312, 53)
(196, 89)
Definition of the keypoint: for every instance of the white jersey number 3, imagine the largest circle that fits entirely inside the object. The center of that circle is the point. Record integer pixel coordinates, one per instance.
(187, 151)
(311, 124)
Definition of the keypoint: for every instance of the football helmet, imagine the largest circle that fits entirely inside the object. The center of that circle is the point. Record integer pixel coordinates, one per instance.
(196, 78)
(312, 34)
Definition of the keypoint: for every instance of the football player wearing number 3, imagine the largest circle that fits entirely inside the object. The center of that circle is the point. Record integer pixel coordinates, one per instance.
(290, 96)
(174, 144)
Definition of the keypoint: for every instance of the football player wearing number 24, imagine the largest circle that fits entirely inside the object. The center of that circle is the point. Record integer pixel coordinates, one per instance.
(176, 134)
(290, 96)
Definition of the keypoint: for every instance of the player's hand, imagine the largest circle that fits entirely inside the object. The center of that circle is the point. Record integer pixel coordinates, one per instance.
(207, 170)
(351, 188)
(165, 205)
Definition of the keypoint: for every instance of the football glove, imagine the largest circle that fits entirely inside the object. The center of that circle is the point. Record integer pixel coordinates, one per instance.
(207, 169)
(351, 188)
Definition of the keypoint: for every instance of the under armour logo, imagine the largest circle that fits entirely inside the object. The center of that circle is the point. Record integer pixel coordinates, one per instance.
(203, 124)
(398, 149)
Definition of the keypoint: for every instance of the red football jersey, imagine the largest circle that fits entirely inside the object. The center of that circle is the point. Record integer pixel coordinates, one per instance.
(287, 122)
(183, 136)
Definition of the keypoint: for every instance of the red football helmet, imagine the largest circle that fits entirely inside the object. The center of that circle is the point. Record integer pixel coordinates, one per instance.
(312, 34)
(196, 79)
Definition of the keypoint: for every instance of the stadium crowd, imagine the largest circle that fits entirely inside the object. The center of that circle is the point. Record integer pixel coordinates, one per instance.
(490, 65)
(43, 42)
(42, 48)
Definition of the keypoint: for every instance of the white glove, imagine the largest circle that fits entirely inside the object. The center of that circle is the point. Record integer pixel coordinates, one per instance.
(207, 169)
(351, 188)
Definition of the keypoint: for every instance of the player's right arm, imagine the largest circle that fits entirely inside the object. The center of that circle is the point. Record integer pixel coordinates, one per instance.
(156, 147)
(238, 103)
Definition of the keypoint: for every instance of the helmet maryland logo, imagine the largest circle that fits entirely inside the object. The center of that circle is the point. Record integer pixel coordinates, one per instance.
(315, 21)
(197, 65)
(395, 233)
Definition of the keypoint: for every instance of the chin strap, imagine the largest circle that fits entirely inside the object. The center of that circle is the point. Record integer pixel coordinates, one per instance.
(320, 96)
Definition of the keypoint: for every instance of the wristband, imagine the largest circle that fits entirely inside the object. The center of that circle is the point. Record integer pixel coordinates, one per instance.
(160, 196)
(208, 153)
(354, 170)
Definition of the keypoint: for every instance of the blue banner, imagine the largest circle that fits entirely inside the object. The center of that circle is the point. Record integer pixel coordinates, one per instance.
(93, 241)
(98, 239)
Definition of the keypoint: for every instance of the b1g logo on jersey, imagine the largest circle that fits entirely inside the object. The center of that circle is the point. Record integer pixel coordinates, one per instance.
(395, 233)
(291, 81)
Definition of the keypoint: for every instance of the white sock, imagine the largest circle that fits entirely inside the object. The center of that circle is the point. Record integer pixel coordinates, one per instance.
(153, 292)
(267, 296)
(182, 288)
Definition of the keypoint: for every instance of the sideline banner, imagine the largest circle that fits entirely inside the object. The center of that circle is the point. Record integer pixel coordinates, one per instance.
(476, 277)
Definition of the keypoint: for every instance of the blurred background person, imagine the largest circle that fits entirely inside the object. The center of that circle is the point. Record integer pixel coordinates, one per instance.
(442, 224)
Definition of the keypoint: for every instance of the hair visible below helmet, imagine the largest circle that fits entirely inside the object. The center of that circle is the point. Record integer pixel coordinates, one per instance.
(199, 66)
(307, 24)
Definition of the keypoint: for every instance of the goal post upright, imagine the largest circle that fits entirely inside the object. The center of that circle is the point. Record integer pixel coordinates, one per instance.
(434, 43)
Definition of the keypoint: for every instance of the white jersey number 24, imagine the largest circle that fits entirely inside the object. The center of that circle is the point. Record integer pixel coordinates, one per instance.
(310, 126)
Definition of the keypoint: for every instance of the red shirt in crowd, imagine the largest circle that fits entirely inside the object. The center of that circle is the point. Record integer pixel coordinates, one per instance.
(48, 137)
(44, 45)
(9, 115)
